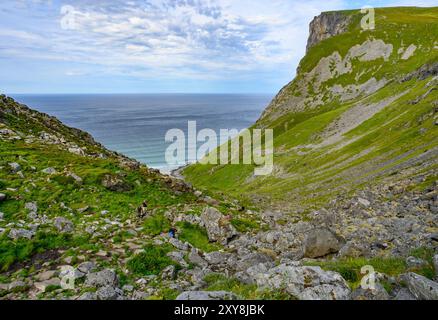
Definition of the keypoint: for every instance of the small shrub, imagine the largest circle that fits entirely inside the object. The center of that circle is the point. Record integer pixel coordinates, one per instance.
(156, 224)
(196, 236)
(244, 225)
(150, 262)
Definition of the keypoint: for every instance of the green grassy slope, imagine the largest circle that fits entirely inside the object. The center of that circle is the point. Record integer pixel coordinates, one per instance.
(311, 166)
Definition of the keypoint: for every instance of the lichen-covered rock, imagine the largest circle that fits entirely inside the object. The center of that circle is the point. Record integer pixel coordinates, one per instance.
(321, 242)
(304, 283)
(218, 226)
(102, 278)
(421, 287)
(378, 293)
(108, 293)
(63, 224)
(21, 233)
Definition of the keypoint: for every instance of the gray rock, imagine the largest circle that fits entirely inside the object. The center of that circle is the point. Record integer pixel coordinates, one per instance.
(15, 167)
(31, 206)
(413, 262)
(21, 233)
(252, 259)
(128, 288)
(207, 295)
(2, 215)
(421, 287)
(46, 275)
(378, 293)
(305, 283)
(169, 273)
(195, 258)
(178, 257)
(217, 257)
(2, 197)
(87, 267)
(102, 278)
(107, 293)
(217, 225)
(179, 244)
(88, 296)
(43, 285)
(404, 294)
(63, 225)
(18, 286)
(321, 242)
(49, 170)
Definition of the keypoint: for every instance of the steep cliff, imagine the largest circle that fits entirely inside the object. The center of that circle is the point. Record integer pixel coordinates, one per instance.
(361, 109)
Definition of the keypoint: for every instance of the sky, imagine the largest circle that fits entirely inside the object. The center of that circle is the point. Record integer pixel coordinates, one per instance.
(157, 46)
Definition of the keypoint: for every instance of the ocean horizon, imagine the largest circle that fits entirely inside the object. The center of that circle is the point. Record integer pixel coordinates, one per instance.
(136, 124)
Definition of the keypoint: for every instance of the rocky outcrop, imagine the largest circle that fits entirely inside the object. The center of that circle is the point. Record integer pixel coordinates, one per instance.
(421, 287)
(327, 25)
(304, 283)
(219, 227)
(321, 242)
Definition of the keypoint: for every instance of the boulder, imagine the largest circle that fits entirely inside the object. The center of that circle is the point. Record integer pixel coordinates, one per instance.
(43, 285)
(108, 293)
(2, 197)
(31, 206)
(16, 234)
(102, 278)
(404, 294)
(304, 283)
(88, 296)
(49, 170)
(421, 287)
(253, 259)
(207, 295)
(46, 275)
(321, 242)
(18, 286)
(219, 228)
(87, 267)
(63, 225)
(115, 183)
(169, 273)
(15, 167)
(378, 293)
(195, 258)
(414, 263)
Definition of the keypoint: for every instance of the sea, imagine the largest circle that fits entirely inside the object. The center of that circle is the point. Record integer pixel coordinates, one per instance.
(136, 124)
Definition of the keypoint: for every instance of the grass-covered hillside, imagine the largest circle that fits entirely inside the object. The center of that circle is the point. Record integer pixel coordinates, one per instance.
(65, 200)
(362, 109)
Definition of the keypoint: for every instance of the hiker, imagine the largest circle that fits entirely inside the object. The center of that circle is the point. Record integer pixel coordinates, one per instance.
(172, 233)
(142, 210)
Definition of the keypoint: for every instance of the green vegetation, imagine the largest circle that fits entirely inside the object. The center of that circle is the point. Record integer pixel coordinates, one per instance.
(218, 282)
(22, 250)
(350, 268)
(150, 262)
(196, 236)
(156, 225)
(308, 174)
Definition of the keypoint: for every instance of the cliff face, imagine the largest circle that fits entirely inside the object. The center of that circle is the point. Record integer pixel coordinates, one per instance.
(327, 25)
